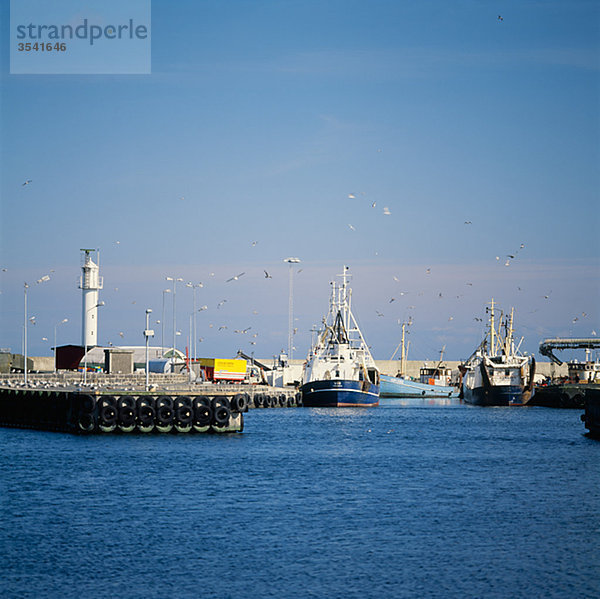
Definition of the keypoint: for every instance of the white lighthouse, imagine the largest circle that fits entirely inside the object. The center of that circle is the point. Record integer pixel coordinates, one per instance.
(90, 283)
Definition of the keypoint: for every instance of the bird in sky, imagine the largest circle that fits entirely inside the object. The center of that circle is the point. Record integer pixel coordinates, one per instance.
(222, 327)
(351, 196)
(254, 243)
(221, 303)
(43, 279)
(500, 18)
(511, 256)
(236, 277)
(351, 227)
(26, 182)
(373, 204)
(202, 308)
(507, 263)
(378, 313)
(468, 222)
(267, 275)
(470, 284)
(386, 211)
(121, 334)
(428, 271)
(392, 300)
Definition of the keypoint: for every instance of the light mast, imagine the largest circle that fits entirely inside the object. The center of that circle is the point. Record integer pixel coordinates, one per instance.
(89, 283)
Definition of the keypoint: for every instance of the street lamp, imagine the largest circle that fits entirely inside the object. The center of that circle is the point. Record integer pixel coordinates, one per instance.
(162, 321)
(194, 286)
(174, 328)
(85, 346)
(25, 288)
(147, 333)
(291, 261)
(55, 327)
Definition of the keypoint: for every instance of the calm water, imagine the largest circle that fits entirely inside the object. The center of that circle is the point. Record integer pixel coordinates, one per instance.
(410, 501)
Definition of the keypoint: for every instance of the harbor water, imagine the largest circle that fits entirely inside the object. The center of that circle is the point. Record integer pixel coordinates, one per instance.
(415, 500)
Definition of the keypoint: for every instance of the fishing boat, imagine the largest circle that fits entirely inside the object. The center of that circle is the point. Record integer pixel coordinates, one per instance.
(434, 382)
(496, 374)
(339, 370)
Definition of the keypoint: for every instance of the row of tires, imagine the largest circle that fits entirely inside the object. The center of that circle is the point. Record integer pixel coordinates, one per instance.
(262, 400)
(145, 413)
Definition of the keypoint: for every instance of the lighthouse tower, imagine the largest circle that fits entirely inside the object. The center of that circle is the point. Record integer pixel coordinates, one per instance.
(90, 283)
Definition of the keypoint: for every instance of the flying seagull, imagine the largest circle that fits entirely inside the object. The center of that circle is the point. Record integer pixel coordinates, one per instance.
(267, 275)
(351, 227)
(26, 183)
(386, 211)
(236, 277)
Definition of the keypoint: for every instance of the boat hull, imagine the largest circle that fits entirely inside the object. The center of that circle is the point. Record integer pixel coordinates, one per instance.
(339, 394)
(392, 386)
(504, 395)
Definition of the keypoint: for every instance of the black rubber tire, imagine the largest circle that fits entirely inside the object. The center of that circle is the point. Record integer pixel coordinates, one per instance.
(126, 416)
(126, 401)
(146, 400)
(202, 415)
(220, 401)
(106, 400)
(182, 401)
(221, 416)
(234, 402)
(107, 415)
(164, 415)
(184, 415)
(164, 401)
(146, 414)
(267, 402)
(257, 399)
(282, 400)
(201, 400)
(87, 423)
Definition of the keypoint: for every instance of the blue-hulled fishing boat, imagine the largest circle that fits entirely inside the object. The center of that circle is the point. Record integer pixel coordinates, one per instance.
(340, 371)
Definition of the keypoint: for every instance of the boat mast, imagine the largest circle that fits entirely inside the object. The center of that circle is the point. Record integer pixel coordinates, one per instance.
(492, 330)
(508, 346)
(403, 354)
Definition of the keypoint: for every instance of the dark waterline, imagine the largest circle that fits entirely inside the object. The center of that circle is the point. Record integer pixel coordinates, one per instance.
(396, 501)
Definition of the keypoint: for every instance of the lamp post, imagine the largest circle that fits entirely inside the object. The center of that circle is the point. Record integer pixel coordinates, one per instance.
(147, 333)
(194, 286)
(291, 261)
(86, 346)
(25, 288)
(162, 321)
(174, 328)
(55, 327)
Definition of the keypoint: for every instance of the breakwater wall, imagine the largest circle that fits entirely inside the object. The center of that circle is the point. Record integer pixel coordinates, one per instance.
(90, 410)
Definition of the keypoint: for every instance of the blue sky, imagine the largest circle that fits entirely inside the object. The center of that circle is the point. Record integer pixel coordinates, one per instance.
(259, 121)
